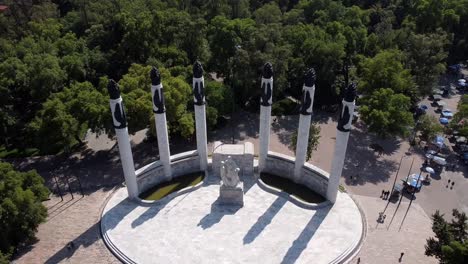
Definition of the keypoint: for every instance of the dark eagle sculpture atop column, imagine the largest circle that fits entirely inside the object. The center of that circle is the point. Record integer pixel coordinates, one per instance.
(198, 85)
(267, 74)
(118, 112)
(309, 82)
(344, 122)
(157, 90)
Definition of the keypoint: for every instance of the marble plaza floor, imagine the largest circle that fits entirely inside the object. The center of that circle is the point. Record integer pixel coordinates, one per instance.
(194, 228)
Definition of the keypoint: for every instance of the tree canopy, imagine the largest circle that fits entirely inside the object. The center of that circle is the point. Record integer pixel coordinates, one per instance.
(49, 48)
(450, 244)
(21, 210)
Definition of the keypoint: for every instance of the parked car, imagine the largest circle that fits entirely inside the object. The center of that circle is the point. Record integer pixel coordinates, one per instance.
(461, 84)
(441, 105)
(447, 113)
(436, 97)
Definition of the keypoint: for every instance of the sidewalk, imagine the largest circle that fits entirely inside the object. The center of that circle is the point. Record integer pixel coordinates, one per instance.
(385, 241)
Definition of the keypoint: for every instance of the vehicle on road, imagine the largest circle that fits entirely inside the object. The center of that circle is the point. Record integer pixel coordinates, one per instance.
(444, 121)
(413, 182)
(447, 113)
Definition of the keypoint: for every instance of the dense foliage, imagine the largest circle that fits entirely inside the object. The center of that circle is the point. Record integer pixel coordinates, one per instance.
(450, 244)
(460, 119)
(21, 210)
(429, 127)
(56, 55)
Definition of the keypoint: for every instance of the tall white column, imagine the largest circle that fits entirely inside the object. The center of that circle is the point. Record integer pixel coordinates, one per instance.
(342, 135)
(307, 104)
(159, 110)
(265, 114)
(198, 85)
(119, 121)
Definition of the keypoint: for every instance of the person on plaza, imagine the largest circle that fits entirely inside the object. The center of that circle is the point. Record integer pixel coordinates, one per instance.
(401, 256)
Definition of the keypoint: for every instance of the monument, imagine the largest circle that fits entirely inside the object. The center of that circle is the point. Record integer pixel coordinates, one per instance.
(265, 114)
(198, 84)
(275, 225)
(159, 110)
(119, 121)
(231, 190)
(342, 135)
(307, 104)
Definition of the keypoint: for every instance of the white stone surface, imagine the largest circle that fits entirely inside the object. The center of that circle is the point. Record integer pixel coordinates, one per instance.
(301, 146)
(126, 157)
(200, 123)
(194, 228)
(231, 195)
(339, 155)
(264, 135)
(337, 164)
(163, 143)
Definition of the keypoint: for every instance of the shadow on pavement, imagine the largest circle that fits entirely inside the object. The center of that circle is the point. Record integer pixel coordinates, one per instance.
(363, 164)
(306, 235)
(264, 220)
(217, 212)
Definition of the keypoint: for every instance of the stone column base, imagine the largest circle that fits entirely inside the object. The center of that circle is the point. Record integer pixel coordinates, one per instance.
(231, 195)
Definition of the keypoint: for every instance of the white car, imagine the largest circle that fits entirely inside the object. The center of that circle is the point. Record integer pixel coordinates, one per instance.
(447, 113)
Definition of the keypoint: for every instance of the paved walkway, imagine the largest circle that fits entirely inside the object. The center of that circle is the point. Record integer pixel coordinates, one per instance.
(406, 233)
(72, 220)
(194, 228)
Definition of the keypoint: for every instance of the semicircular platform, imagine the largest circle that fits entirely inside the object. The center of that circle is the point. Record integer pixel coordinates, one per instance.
(194, 228)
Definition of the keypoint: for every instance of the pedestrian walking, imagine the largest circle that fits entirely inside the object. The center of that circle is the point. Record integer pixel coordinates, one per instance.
(383, 193)
(401, 256)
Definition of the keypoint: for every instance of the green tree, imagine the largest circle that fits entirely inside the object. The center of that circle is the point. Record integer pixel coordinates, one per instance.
(224, 37)
(21, 210)
(136, 92)
(386, 70)
(425, 56)
(450, 244)
(429, 127)
(268, 14)
(314, 137)
(386, 113)
(65, 117)
(460, 119)
(218, 100)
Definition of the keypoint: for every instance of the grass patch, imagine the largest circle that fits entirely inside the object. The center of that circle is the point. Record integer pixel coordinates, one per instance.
(300, 191)
(164, 189)
(17, 153)
(342, 188)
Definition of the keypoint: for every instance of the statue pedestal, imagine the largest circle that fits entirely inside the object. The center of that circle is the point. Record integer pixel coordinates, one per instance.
(231, 195)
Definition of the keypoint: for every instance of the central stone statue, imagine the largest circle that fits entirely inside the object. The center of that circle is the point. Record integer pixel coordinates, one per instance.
(229, 172)
(231, 190)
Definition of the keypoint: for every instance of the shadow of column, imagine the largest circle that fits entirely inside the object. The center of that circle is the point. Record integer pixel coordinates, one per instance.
(264, 220)
(306, 235)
